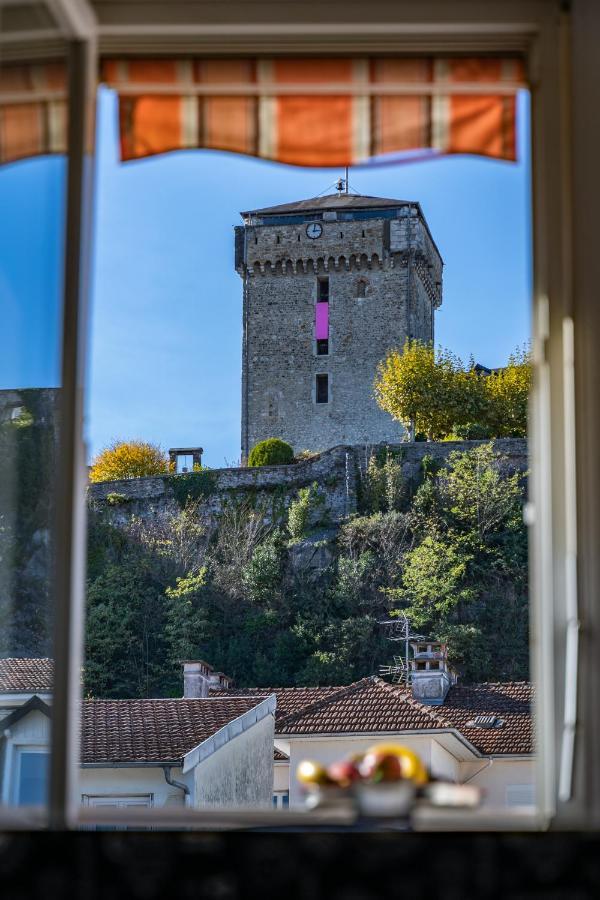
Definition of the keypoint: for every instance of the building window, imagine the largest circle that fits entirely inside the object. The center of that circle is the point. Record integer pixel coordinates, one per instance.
(520, 794)
(323, 347)
(322, 392)
(117, 801)
(361, 289)
(323, 290)
(281, 800)
(32, 777)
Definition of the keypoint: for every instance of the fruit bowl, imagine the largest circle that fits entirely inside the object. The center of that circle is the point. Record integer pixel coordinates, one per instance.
(383, 800)
(383, 781)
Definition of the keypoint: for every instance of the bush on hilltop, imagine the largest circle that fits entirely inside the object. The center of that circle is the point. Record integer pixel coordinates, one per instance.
(272, 452)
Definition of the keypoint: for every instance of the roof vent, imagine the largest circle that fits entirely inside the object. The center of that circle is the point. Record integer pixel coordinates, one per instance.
(485, 722)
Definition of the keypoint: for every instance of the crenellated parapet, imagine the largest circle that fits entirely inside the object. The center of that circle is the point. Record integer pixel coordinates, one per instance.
(321, 264)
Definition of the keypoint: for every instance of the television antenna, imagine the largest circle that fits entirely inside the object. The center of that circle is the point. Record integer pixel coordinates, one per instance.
(399, 631)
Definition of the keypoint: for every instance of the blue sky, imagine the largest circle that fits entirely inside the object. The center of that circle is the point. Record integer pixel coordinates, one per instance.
(166, 303)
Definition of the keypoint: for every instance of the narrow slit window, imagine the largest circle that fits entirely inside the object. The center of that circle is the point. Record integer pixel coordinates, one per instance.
(322, 388)
(323, 290)
(322, 321)
(323, 347)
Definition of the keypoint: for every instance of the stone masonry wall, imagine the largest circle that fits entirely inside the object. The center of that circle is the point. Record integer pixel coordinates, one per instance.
(273, 486)
(379, 258)
(336, 472)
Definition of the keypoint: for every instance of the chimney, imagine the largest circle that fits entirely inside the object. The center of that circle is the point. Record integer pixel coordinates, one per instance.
(430, 677)
(196, 679)
(218, 681)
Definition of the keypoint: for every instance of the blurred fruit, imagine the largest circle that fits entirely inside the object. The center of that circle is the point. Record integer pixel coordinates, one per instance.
(410, 763)
(310, 772)
(357, 758)
(377, 766)
(343, 772)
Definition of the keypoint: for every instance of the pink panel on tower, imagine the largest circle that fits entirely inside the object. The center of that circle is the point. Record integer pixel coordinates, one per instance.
(322, 321)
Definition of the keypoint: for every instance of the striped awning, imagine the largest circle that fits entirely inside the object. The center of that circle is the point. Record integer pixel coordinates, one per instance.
(302, 111)
(33, 110)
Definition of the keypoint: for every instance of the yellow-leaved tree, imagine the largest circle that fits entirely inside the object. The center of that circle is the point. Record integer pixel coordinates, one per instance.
(128, 459)
(418, 387)
(507, 393)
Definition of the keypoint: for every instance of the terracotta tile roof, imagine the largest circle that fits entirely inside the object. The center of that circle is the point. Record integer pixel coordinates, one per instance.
(373, 705)
(26, 675)
(510, 701)
(153, 730)
(368, 705)
(289, 699)
(280, 756)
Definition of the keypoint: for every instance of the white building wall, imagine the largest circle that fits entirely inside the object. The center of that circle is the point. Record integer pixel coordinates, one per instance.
(281, 776)
(241, 772)
(495, 776)
(132, 782)
(30, 732)
(442, 764)
(327, 750)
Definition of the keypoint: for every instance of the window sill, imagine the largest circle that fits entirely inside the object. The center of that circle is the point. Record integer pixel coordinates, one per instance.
(424, 819)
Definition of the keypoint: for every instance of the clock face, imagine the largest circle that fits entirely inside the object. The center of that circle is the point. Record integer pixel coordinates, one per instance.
(314, 230)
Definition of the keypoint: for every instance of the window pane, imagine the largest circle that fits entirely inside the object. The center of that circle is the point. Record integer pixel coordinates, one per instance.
(322, 388)
(32, 204)
(33, 778)
(257, 573)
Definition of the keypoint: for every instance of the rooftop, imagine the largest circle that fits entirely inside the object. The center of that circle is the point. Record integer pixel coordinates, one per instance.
(130, 731)
(339, 200)
(373, 705)
(32, 676)
(167, 729)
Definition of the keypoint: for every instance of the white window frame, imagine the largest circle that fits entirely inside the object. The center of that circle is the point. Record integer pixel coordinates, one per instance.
(278, 796)
(15, 766)
(120, 801)
(514, 790)
(565, 325)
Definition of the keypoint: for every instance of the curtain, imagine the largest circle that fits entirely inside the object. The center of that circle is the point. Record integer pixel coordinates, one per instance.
(317, 112)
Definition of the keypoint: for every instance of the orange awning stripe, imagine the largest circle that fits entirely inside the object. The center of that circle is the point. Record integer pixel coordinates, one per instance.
(318, 112)
(33, 110)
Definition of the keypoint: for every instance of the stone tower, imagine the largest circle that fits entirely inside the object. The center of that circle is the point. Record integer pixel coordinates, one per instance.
(330, 286)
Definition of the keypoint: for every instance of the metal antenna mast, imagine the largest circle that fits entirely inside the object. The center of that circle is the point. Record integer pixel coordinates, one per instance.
(399, 631)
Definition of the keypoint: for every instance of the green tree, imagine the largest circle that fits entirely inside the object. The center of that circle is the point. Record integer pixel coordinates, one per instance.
(465, 580)
(125, 632)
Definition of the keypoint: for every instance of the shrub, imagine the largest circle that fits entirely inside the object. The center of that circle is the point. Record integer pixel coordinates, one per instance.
(300, 511)
(114, 499)
(128, 459)
(272, 452)
(383, 487)
(196, 485)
